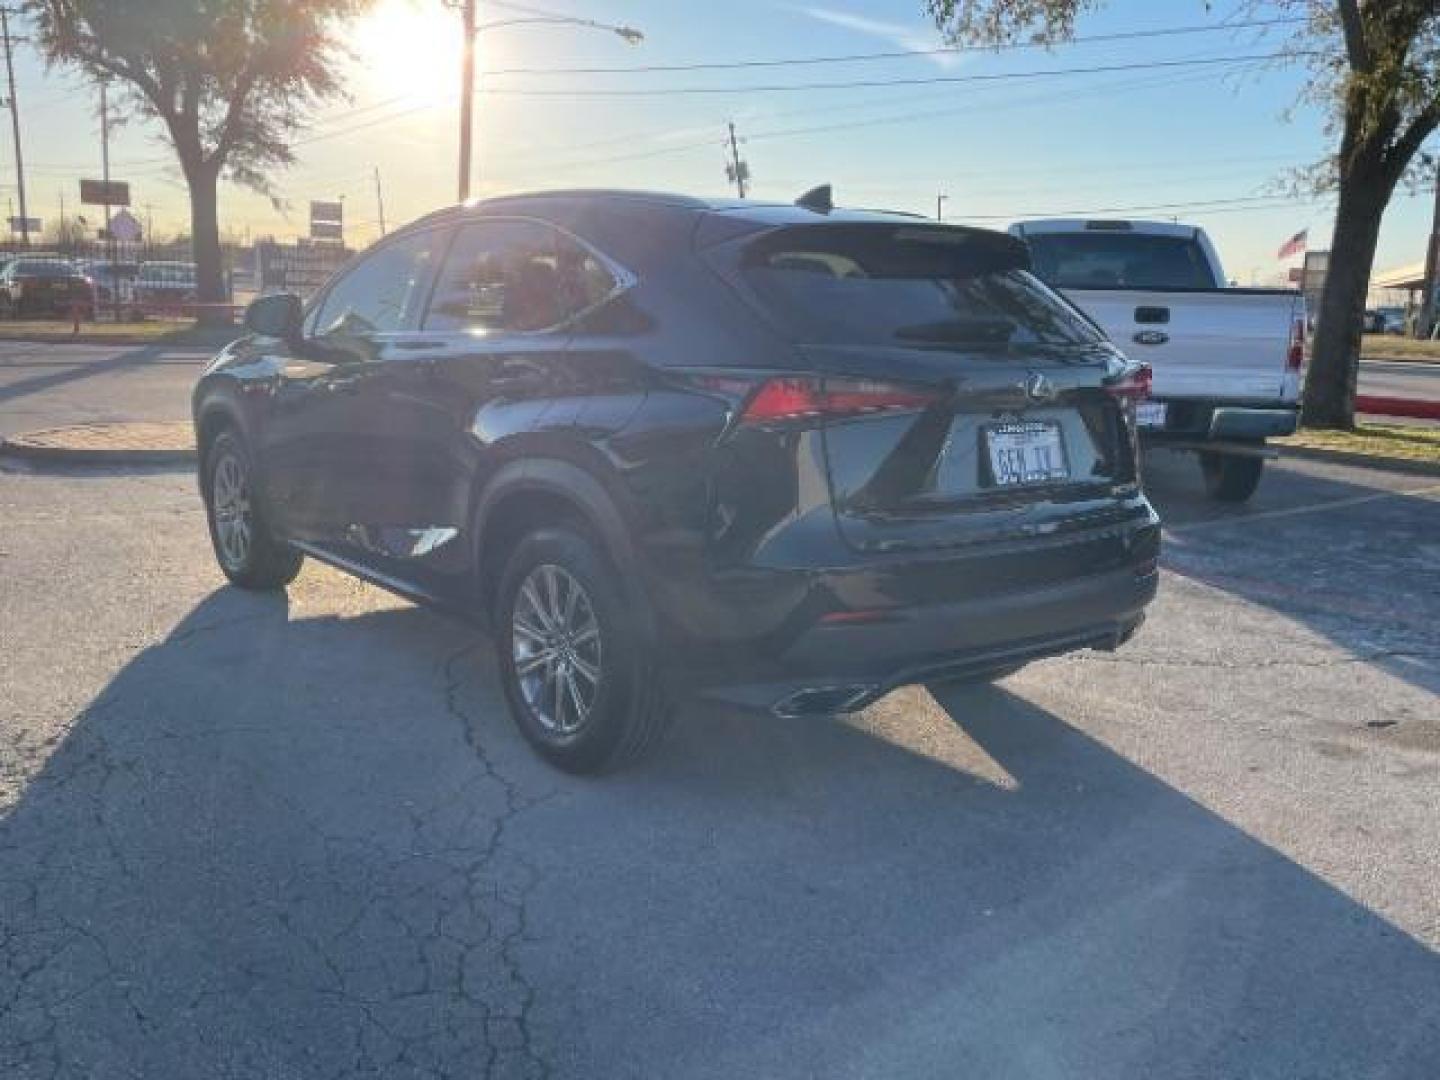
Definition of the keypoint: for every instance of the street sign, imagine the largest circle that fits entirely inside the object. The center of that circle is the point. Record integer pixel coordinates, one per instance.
(125, 227)
(327, 220)
(24, 224)
(101, 193)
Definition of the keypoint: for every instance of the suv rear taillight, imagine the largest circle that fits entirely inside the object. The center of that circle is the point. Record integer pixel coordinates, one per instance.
(788, 399)
(1132, 385)
(1295, 357)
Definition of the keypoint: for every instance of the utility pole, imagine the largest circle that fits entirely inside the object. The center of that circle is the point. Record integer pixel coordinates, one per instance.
(105, 150)
(1432, 268)
(379, 200)
(15, 126)
(467, 94)
(737, 171)
(940, 207)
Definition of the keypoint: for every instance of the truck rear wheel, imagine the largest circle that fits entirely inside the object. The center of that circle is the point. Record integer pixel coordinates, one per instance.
(1230, 478)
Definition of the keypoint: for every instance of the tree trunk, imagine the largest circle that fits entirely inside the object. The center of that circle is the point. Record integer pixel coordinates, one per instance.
(1335, 351)
(205, 240)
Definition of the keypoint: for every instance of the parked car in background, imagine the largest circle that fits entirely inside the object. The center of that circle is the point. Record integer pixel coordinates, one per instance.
(1385, 320)
(38, 287)
(789, 456)
(164, 286)
(1227, 361)
(113, 282)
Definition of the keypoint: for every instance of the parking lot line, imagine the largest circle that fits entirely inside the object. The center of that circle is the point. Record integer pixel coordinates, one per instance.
(1295, 511)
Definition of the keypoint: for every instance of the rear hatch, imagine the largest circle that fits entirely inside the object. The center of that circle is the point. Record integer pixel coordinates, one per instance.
(959, 399)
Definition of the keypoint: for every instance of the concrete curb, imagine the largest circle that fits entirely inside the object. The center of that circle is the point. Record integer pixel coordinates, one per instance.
(1378, 358)
(139, 443)
(211, 338)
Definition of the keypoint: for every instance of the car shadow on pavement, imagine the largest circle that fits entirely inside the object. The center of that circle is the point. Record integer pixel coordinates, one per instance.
(290, 846)
(1352, 572)
(70, 369)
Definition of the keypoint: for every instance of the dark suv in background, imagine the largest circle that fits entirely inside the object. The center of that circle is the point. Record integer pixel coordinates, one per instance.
(44, 287)
(789, 456)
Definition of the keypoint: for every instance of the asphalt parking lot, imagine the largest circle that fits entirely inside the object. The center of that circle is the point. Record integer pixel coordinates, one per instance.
(295, 836)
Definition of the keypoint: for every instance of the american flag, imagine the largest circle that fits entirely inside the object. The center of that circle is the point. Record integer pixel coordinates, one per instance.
(1294, 245)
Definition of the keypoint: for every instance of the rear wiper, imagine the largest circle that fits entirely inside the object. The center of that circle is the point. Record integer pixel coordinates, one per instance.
(960, 331)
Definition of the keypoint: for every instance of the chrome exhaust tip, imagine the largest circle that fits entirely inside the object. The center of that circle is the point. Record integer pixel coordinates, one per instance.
(823, 701)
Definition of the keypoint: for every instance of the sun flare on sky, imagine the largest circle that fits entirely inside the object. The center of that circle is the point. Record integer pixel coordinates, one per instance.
(409, 49)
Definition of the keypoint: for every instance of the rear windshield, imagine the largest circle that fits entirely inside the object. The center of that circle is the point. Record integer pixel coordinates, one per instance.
(1120, 260)
(907, 285)
(40, 268)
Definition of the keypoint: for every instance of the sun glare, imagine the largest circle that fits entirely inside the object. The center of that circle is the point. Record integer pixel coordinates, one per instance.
(410, 48)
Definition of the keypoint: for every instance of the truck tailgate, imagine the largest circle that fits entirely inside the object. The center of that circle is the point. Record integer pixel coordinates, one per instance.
(1210, 344)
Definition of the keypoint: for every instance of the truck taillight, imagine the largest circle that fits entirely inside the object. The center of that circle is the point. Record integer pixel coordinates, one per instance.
(1295, 357)
(802, 398)
(1131, 385)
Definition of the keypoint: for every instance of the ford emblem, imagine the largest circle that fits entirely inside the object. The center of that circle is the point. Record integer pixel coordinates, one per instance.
(1151, 337)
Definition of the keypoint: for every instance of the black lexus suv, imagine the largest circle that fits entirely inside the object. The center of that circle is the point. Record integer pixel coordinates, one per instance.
(788, 456)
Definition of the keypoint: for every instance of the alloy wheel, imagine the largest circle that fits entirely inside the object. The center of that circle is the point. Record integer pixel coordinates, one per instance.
(230, 505)
(555, 643)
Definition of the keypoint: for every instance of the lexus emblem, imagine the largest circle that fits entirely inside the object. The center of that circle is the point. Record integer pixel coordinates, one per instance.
(1039, 388)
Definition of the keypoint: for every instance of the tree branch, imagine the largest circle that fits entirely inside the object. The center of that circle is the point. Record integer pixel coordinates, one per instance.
(230, 127)
(1404, 148)
(1356, 47)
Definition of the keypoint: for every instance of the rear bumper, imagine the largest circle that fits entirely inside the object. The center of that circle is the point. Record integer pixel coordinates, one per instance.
(1228, 422)
(1190, 420)
(842, 666)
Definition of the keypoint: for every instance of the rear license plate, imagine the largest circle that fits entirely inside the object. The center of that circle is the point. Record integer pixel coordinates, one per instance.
(1150, 414)
(1026, 452)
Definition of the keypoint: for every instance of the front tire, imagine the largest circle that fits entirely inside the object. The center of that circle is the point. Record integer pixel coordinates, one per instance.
(576, 662)
(1230, 478)
(249, 554)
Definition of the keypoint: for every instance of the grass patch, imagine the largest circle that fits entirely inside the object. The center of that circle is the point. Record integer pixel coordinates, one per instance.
(1390, 442)
(1390, 347)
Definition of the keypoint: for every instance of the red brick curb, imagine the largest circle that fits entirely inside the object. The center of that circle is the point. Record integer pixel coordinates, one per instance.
(129, 443)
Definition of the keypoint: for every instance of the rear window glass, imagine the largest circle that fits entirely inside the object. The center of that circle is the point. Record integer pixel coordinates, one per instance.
(1118, 260)
(907, 285)
(41, 268)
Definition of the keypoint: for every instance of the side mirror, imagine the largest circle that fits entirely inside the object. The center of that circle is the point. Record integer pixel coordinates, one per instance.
(277, 316)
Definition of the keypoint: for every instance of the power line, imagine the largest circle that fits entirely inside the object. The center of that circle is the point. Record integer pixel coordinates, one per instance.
(850, 58)
(845, 125)
(932, 80)
(1242, 201)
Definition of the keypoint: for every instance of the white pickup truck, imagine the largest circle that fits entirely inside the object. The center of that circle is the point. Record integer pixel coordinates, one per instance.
(1227, 362)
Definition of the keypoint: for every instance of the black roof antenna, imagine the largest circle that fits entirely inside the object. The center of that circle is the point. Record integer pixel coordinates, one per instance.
(817, 199)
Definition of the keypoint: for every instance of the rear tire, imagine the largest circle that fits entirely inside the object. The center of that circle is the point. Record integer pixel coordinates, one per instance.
(248, 552)
(576, 661)
(1230, 478)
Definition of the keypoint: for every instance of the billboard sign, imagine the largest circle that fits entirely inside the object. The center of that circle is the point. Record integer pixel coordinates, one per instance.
(327, 220)
(103, 193)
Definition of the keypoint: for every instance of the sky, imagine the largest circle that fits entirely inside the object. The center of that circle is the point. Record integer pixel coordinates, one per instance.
(1203, 139)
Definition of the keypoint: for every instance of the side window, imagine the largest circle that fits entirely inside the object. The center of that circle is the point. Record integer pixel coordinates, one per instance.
(515, 276)
(382, 293)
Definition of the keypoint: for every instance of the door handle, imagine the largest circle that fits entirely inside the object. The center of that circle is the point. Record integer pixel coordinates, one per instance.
(1152, 315)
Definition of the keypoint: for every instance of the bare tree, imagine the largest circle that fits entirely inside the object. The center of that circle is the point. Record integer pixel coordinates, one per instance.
(230, 81)
(1375, 64)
